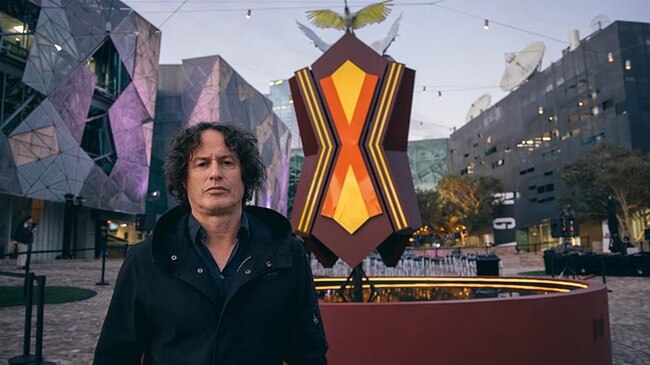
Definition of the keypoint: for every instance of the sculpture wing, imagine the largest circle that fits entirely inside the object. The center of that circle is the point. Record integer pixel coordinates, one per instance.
(382, 45)
(324, 18)
(373, 13)
(316, 40)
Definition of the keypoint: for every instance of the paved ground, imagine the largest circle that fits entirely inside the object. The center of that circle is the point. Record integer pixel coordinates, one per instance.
(71, 329)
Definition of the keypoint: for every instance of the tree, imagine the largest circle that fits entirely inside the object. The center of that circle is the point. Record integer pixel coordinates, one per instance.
(459, 203)
(608, 170)
(470, 198)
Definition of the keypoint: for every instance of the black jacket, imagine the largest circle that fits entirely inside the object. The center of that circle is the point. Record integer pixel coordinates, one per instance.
(162, 308)
(24, 235)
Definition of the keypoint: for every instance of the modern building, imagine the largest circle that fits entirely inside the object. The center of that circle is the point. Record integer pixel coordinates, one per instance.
(428, 161)
(280, 96)
(208, 89)
(598, 91)
(77, 101)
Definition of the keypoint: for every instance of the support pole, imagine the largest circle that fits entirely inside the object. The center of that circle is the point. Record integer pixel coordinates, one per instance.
(26, 357)
(40, 308)
(102, 282)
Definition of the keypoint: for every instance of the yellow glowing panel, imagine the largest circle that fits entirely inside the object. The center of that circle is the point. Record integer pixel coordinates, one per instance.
(348, 81)
(351, 212)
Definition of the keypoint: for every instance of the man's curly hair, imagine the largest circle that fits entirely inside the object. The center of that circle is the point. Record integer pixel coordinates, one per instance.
(238, 140)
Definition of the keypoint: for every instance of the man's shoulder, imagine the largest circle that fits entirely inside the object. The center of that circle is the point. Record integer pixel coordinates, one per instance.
(140, 250)
(271, 219)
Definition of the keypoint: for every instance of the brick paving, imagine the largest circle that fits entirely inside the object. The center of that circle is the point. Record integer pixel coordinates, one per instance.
(71, 329)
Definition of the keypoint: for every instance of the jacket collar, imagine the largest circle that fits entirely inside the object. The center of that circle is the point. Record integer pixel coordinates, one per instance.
(268, 231)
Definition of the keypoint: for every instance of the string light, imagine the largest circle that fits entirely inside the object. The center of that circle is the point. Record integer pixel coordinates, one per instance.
(540, 110)
(486, 23)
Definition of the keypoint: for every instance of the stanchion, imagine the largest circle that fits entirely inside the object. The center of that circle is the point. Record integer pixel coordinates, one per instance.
(26, 358)
(102, 282)
(40, 308)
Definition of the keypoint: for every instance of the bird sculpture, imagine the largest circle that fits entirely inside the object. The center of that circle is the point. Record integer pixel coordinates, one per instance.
(349, 21)
(380, 46)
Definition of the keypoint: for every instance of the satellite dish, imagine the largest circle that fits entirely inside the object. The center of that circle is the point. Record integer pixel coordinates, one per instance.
(521, 65)
(599, 22)
(479, 106)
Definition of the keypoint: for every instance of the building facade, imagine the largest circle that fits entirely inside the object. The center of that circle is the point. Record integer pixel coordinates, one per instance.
(597, 92)
(77, 98)
(428, 161)
(280, 96)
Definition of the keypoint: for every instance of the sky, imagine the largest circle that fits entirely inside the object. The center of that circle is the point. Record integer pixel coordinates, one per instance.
(443, 41)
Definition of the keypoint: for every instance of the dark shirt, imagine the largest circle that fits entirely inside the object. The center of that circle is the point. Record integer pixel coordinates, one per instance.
(222, 278)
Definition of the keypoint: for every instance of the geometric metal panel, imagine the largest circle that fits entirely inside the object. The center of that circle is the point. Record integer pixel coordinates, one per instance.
(33, 146)
(85, 104)
(44, 115)
(200, 99)
(145, 74)
(126, 116)
(123, 38)
(87, 27)
(8, 176)
(147, 133)
(53, 54)
(72, 99)
(133, 180)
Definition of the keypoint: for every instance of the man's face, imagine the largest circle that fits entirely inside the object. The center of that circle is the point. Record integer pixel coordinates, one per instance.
(214, 182)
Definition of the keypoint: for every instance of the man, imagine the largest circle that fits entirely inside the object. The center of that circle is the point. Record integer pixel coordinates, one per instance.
(217, 282)
(24, 236)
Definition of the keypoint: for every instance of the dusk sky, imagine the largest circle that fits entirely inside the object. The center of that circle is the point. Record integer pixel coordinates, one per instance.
(443, 41)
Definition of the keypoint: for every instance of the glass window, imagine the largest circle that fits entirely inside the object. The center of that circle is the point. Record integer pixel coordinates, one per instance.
(97, 139)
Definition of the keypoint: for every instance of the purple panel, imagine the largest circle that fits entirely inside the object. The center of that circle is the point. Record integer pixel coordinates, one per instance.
(124, 37)
(126, 117)
(198, 98)
(72, 99)
(87, 27)
(77, 165)
(133, 180)
(130, 145)
(98, 190)
(116, 10)
(127, 111)
(146, 65)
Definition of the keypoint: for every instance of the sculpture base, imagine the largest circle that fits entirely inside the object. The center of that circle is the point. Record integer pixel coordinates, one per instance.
(571, 327)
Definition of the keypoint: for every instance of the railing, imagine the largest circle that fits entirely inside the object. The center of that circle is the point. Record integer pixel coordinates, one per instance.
(103, 254)
(28, 295)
